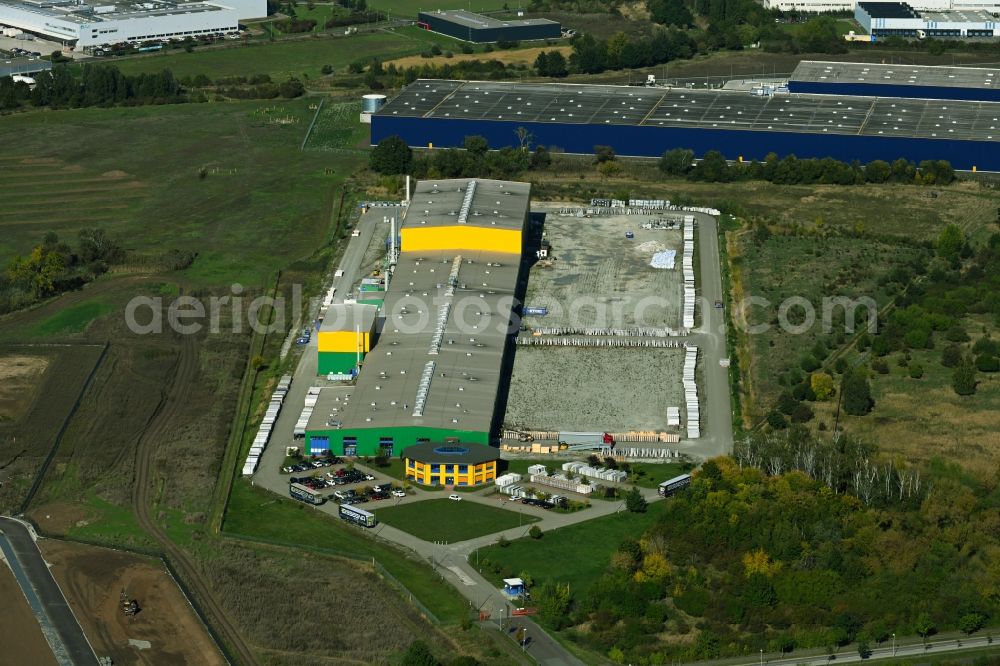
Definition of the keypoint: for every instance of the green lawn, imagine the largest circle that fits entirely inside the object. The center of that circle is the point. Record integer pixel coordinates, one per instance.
(577, 554)
(451, 521)
(262, 204)
(71, 320)
(259, 514)
(109, 524)
(650, 475)
(281, 59)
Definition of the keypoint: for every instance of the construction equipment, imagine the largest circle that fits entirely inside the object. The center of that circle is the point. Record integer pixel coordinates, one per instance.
(130, 607)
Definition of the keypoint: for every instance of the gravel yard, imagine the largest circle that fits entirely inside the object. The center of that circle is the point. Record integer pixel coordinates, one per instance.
(583, 389)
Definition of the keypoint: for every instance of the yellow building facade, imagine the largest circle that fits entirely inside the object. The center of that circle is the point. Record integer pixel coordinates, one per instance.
(415, 238)
(451, 464)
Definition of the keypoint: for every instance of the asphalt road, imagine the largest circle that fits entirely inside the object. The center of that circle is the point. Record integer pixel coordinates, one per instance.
(59, 625)
(716, 406)
(909, 650)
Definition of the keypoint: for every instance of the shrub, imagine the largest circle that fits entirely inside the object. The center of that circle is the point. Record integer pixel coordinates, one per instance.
(951, 356)
(535, 532)
(987, 363)
(916, 371)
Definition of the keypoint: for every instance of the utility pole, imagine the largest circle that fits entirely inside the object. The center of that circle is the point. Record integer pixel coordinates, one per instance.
(894, 645)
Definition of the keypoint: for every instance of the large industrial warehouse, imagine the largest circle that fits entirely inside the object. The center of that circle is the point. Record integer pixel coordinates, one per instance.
(483, 29)
(435, 371)
(645, 122)
(911, 81)
(888, 19)
(84, 25)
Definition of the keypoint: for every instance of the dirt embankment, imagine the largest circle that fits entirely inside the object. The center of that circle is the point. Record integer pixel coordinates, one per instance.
(20, 635)
(166, 630)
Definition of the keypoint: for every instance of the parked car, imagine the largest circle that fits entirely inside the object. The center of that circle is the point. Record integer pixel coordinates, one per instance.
(369, 477)
(453, 496)
(398, 493)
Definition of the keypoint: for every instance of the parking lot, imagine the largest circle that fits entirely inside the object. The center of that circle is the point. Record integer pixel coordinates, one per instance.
(342, 482)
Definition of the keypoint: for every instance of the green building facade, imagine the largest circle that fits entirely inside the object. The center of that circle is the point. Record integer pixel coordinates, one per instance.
(390, 441)
(342, 363)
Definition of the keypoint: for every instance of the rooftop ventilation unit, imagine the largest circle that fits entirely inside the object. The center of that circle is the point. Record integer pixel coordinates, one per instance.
(422, 388)
(470, 192)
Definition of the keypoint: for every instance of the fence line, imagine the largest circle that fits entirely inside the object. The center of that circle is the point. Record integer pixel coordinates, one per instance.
(595, 342)
(37, 483)
(636, 332)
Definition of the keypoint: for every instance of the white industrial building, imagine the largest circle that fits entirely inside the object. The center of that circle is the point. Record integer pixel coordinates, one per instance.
(888, 19)
(79, 25)
(991, 6)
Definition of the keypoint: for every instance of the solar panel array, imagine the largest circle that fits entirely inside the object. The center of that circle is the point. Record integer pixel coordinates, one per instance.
(680, 107)
(915, 75)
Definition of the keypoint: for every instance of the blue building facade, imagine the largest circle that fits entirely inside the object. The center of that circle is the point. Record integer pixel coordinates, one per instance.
(649, 141)
(894, 90)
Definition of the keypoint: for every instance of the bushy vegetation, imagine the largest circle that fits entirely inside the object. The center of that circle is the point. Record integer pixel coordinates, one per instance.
(790, 170)
(475, 160)
(960, 282)
(97, 85)
(53, 267)
(826, 545)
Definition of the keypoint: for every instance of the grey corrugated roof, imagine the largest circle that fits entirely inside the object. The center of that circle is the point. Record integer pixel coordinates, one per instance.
(495, 204)
(681, 107)
(913, 75)
(349, 317)
(463, 388)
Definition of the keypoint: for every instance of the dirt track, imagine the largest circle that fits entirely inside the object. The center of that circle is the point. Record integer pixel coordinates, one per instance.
(163, 419)
(20, 635)
(92, 578)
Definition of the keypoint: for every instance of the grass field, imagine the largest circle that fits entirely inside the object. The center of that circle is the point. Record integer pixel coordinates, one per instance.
(71, 320)
(785, 267)
(577, 554)
(258, 187)
(262, 515)
(450, 521)
(302, 58)
(337, 128)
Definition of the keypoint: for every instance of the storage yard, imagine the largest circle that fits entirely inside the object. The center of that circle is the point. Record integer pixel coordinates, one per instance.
(596, 277)
(569, 388)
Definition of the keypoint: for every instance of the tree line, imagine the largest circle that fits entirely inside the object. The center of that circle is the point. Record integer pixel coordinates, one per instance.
(54, 266)
(791, 170)
(474, 160)
(793, 543)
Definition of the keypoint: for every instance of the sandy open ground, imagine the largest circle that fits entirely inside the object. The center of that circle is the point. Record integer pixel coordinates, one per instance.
(21, 639)
(585, 389)
(599, 278)
(20, 376)
(514, 57)
(92, 579)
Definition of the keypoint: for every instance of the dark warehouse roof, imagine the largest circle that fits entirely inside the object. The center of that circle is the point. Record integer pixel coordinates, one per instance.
(912, 75)
(681, 107)
(897, 10)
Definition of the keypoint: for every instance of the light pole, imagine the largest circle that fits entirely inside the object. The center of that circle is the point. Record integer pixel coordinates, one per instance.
(894, 645)
(762, 657)
(524, 640)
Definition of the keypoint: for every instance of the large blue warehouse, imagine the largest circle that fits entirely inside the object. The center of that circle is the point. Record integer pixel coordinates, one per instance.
(912, 81)
(645, 122)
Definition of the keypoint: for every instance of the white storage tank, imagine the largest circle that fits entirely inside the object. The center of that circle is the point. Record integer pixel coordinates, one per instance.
(372, 103)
